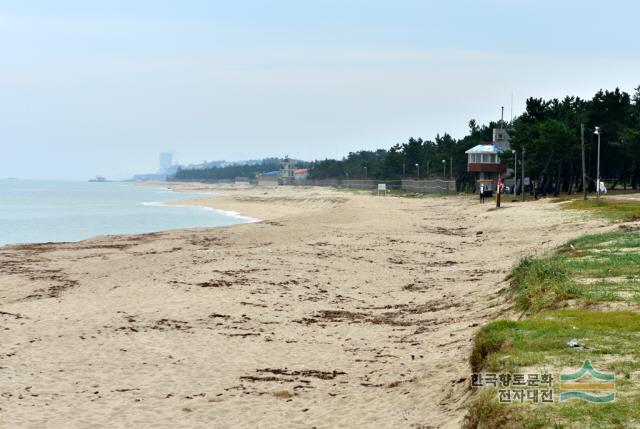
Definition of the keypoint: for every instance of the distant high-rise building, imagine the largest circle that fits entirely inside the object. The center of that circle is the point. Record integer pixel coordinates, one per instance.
(166, 161)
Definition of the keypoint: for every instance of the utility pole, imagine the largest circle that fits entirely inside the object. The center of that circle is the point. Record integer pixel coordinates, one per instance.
(584, 165)
(451, 168)
(522, 167)
(598, 172)
(403, 168)
(515, 175)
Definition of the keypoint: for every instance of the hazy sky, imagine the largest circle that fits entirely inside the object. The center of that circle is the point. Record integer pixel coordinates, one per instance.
(100, 87)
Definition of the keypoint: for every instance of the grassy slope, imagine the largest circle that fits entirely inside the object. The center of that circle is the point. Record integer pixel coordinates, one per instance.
(607, 208)
(596, 268)
(557, 293)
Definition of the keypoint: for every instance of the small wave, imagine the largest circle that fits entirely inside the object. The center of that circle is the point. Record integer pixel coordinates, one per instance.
(228, 213)
(247, 219)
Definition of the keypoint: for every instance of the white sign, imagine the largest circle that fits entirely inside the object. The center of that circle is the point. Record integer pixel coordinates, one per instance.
(382, 187)
(527, 181)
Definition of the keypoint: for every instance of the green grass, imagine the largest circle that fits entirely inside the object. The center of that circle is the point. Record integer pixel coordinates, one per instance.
(587, 270)
(615, 239)
(539, 283)
(616, 211)
(485, 412)
(540, 342)
(591, 269)
(507, 345)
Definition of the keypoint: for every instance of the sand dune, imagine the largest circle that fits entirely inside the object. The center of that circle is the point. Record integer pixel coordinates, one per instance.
(337, 310)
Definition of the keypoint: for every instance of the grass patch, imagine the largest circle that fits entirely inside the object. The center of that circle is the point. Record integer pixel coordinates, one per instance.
(507, 345)
(587, 270)
(610, 240)
(541, 342)
(616, 211)
(539, 283)
(590, 269)
(485, 412)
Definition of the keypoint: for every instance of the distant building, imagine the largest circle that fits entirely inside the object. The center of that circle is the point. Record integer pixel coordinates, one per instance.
(301, 174)
(287, 167)
(166, 162)
(484, 159)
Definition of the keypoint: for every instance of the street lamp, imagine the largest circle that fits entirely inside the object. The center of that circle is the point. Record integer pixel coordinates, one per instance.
(444, 169)
(515, 172)
(418, 167)
(597, 131)
(522, 174)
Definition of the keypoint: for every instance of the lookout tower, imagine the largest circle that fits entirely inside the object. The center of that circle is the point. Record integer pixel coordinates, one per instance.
(484, 159)
(287, 169)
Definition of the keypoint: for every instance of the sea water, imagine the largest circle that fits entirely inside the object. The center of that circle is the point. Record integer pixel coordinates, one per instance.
(44, 211)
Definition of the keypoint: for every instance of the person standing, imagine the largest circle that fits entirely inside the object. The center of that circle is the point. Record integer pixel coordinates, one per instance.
(603, 188)
(482, 193)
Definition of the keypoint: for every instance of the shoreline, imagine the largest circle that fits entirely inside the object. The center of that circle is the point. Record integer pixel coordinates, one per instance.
(184, 203)
(337, 307)
(191, 202)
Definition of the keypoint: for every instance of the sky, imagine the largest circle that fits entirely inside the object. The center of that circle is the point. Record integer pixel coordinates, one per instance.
(101, 87)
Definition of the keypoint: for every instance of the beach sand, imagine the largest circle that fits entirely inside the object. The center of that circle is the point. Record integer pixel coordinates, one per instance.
(338, 309)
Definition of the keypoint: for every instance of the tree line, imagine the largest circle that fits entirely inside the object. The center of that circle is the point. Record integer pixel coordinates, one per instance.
(226, 173)
(549, 133)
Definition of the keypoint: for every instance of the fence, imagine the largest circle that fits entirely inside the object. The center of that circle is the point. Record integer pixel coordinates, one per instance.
(434, 186)
(268, 181)
(419, 186)
(430, 186)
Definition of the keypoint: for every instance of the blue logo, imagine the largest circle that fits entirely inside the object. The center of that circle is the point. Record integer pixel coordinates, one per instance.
(578, 386)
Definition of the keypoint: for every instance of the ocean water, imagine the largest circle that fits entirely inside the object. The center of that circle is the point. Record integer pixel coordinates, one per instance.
(41, 211)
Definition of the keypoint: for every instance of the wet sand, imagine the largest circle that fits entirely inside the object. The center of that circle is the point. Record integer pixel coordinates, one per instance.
(336, 310)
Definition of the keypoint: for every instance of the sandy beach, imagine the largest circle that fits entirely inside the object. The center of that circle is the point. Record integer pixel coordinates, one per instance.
(338, 309)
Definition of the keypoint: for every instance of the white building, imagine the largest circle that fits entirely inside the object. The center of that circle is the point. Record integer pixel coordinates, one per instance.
(166, 161)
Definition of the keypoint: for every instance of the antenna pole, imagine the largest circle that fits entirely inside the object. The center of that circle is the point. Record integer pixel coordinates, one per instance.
(512, 107)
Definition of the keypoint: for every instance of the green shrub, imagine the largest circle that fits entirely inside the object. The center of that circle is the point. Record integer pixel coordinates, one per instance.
(540, 283)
